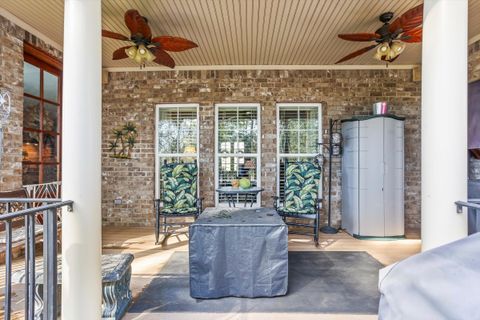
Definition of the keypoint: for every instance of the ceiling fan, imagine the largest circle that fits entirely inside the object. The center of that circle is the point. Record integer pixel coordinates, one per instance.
(391, 37)
(146, 48)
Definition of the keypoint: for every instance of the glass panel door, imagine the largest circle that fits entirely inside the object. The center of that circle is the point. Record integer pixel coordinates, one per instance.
(41, 122)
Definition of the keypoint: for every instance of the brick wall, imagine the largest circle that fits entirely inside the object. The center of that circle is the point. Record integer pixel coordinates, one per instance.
(11, 79)
(132, 96)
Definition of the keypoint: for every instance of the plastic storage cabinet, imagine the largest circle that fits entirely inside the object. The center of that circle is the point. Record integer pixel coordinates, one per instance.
(373, 176)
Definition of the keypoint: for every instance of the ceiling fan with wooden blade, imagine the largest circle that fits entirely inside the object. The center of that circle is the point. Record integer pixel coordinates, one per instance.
(146, 48)
(390, 39)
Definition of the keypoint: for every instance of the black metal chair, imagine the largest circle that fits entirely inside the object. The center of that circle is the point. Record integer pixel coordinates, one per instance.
(178, 197)
(301, 198)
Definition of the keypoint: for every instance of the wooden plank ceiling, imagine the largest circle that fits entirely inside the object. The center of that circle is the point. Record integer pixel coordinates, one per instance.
(243, 32)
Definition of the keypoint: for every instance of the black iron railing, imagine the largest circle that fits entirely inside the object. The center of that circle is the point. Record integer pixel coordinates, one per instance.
(30, 213)
(473, 206)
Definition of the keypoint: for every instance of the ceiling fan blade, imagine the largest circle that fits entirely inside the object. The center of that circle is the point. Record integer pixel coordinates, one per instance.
(120, 53)
(174, 43)
(137, 24)
(409, 20)
(162, 57)
(356, 53)
(360, 36)
(114, 35)
(411, 36)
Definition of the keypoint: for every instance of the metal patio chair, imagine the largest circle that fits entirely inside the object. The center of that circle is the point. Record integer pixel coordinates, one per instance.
(301, 198)
(178, 198)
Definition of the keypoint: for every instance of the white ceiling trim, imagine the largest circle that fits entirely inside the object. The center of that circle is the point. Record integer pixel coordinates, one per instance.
(25, 26)
(264, 67)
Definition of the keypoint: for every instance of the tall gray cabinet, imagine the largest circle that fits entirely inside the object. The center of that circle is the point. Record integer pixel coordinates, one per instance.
(373, 176)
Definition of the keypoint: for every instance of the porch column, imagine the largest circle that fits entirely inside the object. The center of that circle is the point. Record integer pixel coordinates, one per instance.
(81, 163)
(444, 120)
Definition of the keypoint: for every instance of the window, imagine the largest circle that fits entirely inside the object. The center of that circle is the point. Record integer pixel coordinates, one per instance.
(237, 145)
(176, 136)
(42, 110)
(299, 129)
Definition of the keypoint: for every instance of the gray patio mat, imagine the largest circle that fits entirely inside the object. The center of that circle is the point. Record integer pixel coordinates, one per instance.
(319, 282)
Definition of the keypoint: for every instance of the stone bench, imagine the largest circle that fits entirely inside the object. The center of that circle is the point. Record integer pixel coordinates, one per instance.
(116, 274)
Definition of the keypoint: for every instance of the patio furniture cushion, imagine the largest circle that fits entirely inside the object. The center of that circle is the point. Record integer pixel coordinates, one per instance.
(301, 188)
(179, 210)
(179, 187)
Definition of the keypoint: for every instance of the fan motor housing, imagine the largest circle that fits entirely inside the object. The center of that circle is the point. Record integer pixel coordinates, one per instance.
(386, 17)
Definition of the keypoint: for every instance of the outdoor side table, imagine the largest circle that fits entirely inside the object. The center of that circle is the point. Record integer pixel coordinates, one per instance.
(238, 252)
(230, 192)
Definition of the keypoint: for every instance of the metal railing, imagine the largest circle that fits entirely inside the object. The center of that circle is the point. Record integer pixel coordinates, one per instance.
(51, 190)
(49, 211)
(473, 206)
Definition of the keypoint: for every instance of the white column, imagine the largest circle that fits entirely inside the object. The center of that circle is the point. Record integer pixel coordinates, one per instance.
(444, 120)
(81, 163)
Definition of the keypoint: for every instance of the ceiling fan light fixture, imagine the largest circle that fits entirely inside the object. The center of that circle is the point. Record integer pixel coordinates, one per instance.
(142, 50)
(377, 56)
(383, 51)
(149, 56)
(384, 48)
(131, 52)
(397, 47)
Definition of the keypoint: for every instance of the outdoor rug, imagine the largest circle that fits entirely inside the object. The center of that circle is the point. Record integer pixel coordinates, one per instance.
(319, 282)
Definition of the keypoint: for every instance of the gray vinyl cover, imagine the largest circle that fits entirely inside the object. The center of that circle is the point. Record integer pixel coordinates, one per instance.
(241, 253)
(442, 283)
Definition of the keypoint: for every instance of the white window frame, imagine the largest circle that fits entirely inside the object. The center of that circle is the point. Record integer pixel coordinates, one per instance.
(295, 155)
(157, 155)
(257, 155)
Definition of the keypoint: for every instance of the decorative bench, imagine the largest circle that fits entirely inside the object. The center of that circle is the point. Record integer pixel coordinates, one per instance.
(116, 274)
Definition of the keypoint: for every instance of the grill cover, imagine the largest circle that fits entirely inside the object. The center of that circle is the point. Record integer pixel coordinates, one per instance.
(241, 253)
(442, 283)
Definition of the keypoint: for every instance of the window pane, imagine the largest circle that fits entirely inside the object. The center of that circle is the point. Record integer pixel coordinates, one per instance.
(289, 142)
(50, 151)
(177, 130)
(31, 79)
(247, 141)
(50, 86)
(187, 130)
(308, 141)
(288, 118)
(308, 118)
(247, 118)
(31, 113)
(227, 142)
(30, 146)
(227, 118)
(164, 160)
(168, 131)
(230, 168)
(50, 173)
(30, 173)
(50, 117)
